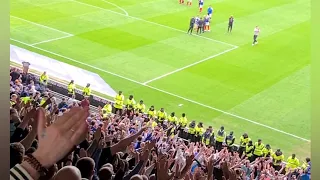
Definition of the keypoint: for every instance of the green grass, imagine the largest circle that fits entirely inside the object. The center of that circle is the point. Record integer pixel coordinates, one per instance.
(267, 83)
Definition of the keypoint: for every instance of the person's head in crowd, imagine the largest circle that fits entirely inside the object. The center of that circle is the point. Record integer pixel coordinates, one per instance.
(105, 173)
(17, 153)
(141, 101)
(152, 177)
(308, 160)
(120, 92)
(231, 133)
(151, 108)
(71, 82)
(250, 143)
(131, 97)
(222, 128)
(68, 173)
(86, 166)
(14, 116)
(162, 109)
(144, 177)
(14, 97)
(200, 125)
(136, 177)
(268, 146)
(259, 141)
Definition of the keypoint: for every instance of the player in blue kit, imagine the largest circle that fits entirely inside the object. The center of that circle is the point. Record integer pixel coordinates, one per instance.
(210, 11)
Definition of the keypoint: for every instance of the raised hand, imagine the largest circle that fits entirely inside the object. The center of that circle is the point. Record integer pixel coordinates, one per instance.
(58, 139)
(162, 169)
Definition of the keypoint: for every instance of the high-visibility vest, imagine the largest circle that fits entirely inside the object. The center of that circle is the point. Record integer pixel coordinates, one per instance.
(162, 115)
(26, 99)
(277, 159)
(191, 130)
(131, 102)
(220, 136)
(118, 101)
(173, 119)
(12, 103)
(244, 141)
(199, 131)
(44, 78)
(258, 150)
(183, 121)
(229, 140)
(108, 109)
(206, 138)
(87, 91)
(152, 113)
(141, 107)
(249, 151)
(293, 163)
(71, 88)
(267, 152)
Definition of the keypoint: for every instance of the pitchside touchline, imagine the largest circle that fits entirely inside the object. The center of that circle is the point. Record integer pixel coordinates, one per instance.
(151, 87)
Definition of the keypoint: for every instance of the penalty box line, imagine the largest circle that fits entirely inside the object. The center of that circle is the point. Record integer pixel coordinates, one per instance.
(168, 93)
(188, 66)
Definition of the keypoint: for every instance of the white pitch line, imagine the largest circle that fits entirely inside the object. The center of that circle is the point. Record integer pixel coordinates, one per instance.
(50, 40)
(166, 92)
(168, 27)
(125, 12)
(190, 65)
(41, 25)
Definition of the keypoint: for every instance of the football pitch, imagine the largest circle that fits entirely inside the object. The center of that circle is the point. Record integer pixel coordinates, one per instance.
(142, 48)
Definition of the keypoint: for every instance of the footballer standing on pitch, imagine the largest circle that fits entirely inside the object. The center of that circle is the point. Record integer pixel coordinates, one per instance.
(230, 24)
(200, 26)
(256, 32)
(192, 21)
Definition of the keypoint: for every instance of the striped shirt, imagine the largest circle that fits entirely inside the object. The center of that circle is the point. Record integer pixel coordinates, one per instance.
(18, 173)
(256, 31)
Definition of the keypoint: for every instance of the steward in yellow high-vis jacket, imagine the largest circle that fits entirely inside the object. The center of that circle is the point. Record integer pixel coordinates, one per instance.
(267, 151)
(182, 124)
(199, 132)
(118, 103)
(107, 110)
(86, 90)
(277, 159)
(161, 116)
(152, 112)
(141, 108)
(249, 150)
(244, 139)
(258, 149)
(71, 89)
(173, 119)
(192, 131)
(130, 104)
(230, 141)
(292, 162)
(44, 78)
(220, 138)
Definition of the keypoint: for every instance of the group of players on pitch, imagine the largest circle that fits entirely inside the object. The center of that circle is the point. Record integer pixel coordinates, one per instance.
(202, 24)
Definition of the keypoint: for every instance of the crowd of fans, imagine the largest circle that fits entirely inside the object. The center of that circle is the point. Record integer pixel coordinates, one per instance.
(52, 138)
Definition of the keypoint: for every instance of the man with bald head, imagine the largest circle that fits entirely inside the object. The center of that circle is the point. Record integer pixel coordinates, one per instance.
(68, 172)
(86, 166)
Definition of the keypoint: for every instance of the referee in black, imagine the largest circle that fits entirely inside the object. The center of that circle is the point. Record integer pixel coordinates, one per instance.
(192, 21)
(230, 24)
(200, 26)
